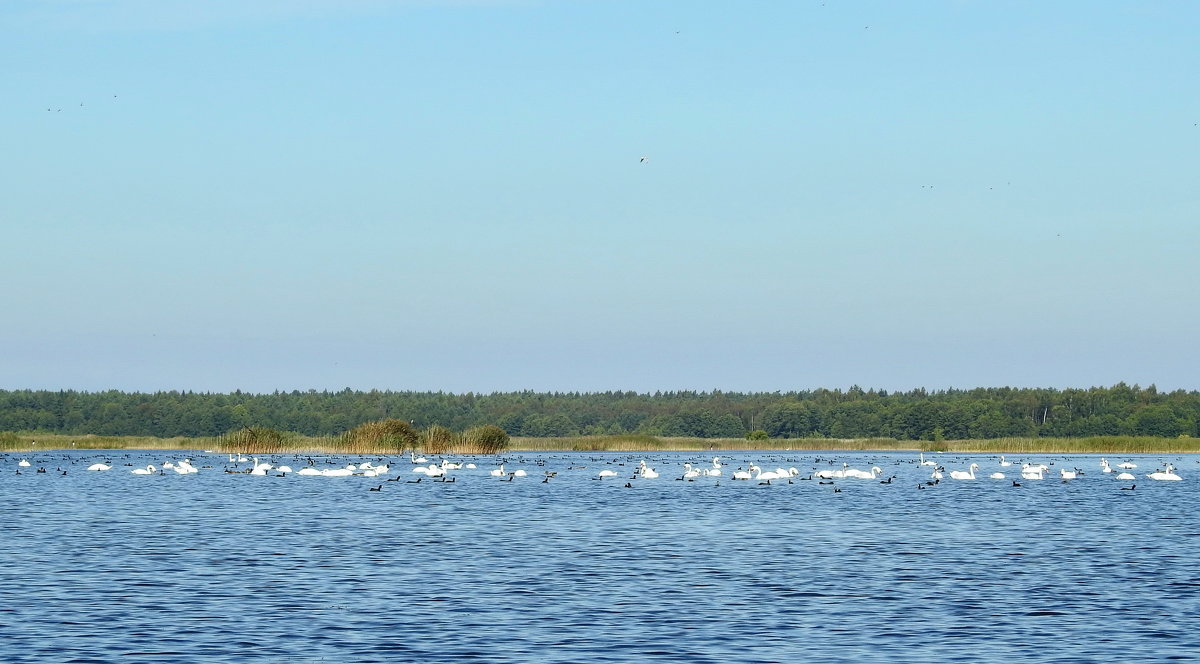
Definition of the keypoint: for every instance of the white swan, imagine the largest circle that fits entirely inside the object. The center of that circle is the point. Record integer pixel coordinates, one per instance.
(927, 463)
(862, 474)
(1127, 465)
(968, 474)
(498, 472)
(690, 472)
(1031, 472)
(746, 474)
(148, 470)
(1167, 474)
(519, 473)
(1067, 474)
(604, 473)
(647, 472)
(1003, 463)
(1104, 467)
(337, 472)
(1126, 476)
(284, 469)
(24, 463)
(99, 466)
(769, 475)
(309, 470)
(832, 474)
(997, 476)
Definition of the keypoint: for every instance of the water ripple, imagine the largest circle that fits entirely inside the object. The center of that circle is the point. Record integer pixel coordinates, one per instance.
(219, 567)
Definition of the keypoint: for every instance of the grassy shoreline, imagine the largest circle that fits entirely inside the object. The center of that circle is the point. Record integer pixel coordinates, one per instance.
(28, 442)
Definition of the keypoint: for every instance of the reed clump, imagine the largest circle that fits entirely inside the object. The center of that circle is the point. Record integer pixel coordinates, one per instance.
(437, 439)
(487, 439)
(11, 441)
(261, 440)
(389, 436)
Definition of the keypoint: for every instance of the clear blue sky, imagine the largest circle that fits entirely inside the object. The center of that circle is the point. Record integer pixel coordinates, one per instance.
(450, 195)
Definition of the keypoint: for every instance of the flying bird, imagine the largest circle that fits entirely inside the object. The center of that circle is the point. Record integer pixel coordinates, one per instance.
(643, 160)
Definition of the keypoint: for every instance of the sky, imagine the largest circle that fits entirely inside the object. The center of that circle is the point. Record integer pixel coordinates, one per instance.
(592, 195)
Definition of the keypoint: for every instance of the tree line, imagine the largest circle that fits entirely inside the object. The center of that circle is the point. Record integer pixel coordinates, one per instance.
(854, 413)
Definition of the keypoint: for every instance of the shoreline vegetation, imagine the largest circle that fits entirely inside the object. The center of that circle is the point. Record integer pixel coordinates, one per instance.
(853, 414)
(389, 438)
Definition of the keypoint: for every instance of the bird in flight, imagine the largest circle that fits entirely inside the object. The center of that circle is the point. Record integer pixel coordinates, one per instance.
(643, 160)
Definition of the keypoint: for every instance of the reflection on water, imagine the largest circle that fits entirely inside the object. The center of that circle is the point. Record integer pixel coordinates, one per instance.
(224, 567)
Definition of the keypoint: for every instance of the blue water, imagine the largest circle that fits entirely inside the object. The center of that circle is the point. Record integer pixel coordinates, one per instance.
(221, 567)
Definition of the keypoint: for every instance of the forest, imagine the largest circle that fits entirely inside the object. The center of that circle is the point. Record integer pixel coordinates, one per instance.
(820, 413)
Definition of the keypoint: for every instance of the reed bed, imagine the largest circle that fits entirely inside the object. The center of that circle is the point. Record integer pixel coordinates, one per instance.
(25, 442)
(381, 437)
(481, 442)
(1090, 445)
(645, 443)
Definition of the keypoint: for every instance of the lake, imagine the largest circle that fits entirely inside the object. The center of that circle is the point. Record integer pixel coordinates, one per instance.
(229, 567)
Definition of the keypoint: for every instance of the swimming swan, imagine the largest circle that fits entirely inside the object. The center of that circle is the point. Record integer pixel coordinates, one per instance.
(968, 474)
(832, 474)
(746, 474)
(1031, 472)
(1167, 474)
